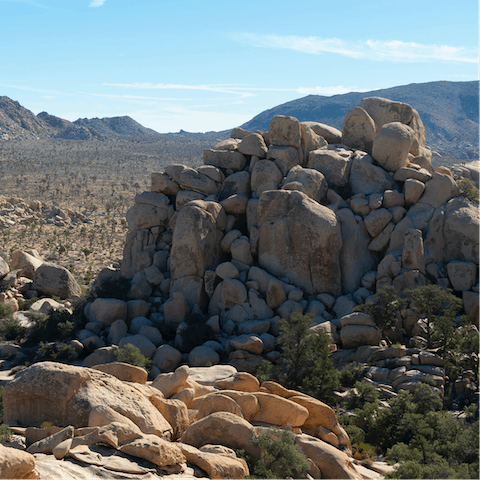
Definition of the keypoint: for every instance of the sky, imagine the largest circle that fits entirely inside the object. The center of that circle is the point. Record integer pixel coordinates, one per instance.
(212, 65)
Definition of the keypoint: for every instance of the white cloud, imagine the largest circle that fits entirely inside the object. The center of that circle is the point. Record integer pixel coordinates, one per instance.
(238, 90)
(394, 51)
(96, 3)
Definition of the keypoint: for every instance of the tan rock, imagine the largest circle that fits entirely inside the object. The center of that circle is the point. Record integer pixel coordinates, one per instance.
(284, 131)
(155, 450)
(222, 428)
(218, 403)
(310, 141)
(353, 336)
(216, 466)
(295, 232)
(332, 462)
(358, 130)
(101, 415)
(225, 159)
(16, 464)
(52, 279)
(242, 381)
(280, 411)
(26, 262)
(175, 413)
(253, 144)
(67, 394)
(391, 146)
(277, 389)
(49, 443)
(196, 239)
(331, 134)
(162, 183)
(439, 190)
(171, 383)
(124, 372)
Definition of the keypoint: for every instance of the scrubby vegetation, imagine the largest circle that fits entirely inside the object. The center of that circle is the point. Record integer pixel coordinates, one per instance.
(280, 457)
(305, 364)
(132, 355)
(416, 431)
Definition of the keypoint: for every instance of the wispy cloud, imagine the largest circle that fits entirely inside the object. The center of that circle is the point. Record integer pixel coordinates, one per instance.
(237, 90)
(136, 97)
(393, 51)
(96, 3)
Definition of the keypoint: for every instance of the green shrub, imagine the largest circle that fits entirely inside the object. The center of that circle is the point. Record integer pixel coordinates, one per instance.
(5, 310)
(468, 189)
(351, 374)
(132, 355)
(110, 287)
(26, 304)
(5, 433)
(280, 457)
(306, 365)
(55, 351)
(10, 329)
(384, 309)
(362, 394)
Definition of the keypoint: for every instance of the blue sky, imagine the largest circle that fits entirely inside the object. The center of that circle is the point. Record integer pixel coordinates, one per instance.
(213, 65)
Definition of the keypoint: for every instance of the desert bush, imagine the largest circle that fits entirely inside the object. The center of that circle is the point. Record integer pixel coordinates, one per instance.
(5, 310)
(468, 189)
(110, 287)
(132, 355)
(362, 394)
(280, 457)
(439, 307)
(57, 326)
(350, 374)
(384, 309)
(305, 363)
(10, 329)
(55, 352)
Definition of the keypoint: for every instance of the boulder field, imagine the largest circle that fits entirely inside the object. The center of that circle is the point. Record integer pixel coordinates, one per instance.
(188, 422)
(301, 218)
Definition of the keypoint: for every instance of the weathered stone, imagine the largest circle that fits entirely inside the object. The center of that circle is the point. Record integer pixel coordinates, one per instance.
(253, 144)
(377, 220)
(439, 190)
(413, 190)
(368, 178)
(280, 411)
(391, 146)
(353, 336)
(162, 183)
(330, 134)
(462, 275)
(167, 358)
(196, 239)
(124, 372)
(48, 390)
(233, 160)
(265, 176)
(202, 356)
(52, 279)
(171, 383)
(236, 183)
(412, 255)
(285, 158)
(16, 463)
(311, 182)
(107, 311)
(358, 130)
(333, 164)
(25, 261)
(284, 131)
(290, 225)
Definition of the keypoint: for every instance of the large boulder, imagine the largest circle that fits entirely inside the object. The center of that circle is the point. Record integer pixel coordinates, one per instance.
(52, 279)
(300, 240)
(367, 178)
(461, 231)
(16, 464)
(391, 146)
(25, 261)
(65, 394)
(334, 163)
(196, 239)
(358, 130)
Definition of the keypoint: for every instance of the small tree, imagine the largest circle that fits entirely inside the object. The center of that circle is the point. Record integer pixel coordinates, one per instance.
(439, 307)
(383, 310)
(280, 457)
(306, 364)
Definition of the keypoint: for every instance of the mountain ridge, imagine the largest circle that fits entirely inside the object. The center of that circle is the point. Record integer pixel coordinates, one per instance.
(449, 111)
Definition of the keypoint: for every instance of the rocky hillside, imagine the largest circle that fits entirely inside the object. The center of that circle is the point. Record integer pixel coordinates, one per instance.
(118, 126)
(449, 111)
(300, 221)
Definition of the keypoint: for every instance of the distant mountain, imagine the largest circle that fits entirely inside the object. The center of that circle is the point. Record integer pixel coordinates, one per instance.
(118, 126)
(16, 122)
(449, 111)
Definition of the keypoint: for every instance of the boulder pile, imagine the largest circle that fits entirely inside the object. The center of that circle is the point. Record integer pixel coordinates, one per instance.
(302, 218)
(188, 422)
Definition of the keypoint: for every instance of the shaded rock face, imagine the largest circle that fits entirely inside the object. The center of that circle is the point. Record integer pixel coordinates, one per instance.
(52, 279)
(301, 240)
